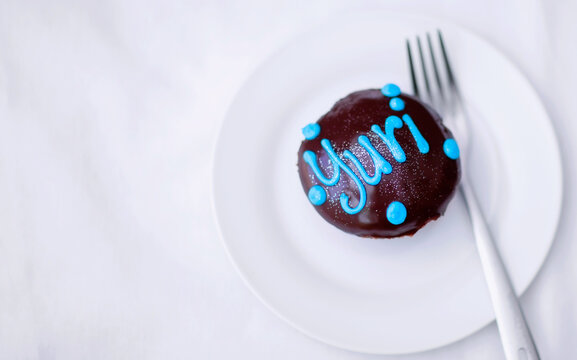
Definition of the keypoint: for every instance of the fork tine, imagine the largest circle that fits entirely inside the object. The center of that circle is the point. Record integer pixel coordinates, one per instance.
(424, 67)
(412, 69)
(435, 68)
(448, 68)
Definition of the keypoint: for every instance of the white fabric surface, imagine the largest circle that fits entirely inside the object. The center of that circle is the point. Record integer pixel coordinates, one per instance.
(108, 115)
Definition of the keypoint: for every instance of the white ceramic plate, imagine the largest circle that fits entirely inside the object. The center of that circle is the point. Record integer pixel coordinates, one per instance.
(381, 296)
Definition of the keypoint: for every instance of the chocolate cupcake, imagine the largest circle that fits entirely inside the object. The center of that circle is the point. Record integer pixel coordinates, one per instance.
(379, 164)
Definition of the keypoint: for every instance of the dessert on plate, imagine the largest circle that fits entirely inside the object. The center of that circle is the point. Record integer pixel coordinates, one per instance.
(379, 164)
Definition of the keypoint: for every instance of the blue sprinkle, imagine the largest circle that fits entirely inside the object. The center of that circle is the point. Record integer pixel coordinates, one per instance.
(451, 149)
(396, 213)
(317, 195)
(397, 104)
(311, 131)
(391, 90)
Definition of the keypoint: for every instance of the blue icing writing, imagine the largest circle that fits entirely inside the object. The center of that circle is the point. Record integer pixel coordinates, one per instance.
(451, 149)
(393, 122)
(391, 90)
(382, 166)
(311, 131)
(397, 104)
(317, 195)
(311, 159)
(422, 144)
(362, 194)
(396, 213)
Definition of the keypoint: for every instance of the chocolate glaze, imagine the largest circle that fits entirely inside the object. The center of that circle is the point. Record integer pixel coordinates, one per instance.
(424, 183)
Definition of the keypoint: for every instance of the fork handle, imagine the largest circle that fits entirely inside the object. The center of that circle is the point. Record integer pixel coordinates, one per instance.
(516, 337)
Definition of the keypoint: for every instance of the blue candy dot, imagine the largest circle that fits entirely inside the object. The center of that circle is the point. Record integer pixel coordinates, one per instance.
(396, 213)
(451, 149)
(311, 131)
(391, 90)
(317, 195)
(397, 104)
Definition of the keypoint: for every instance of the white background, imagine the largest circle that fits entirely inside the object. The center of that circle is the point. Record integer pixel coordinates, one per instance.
(108, 115)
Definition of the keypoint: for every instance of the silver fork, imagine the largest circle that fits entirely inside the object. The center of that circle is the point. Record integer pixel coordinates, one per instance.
(445, 97)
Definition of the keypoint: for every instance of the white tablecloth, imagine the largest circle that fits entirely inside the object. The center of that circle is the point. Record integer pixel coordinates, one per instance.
(108, 115)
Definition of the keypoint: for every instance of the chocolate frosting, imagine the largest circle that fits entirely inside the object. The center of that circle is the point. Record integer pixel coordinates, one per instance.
(424, 183)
